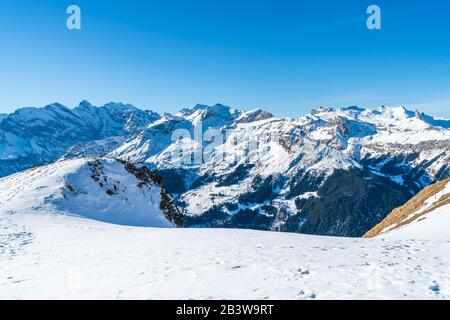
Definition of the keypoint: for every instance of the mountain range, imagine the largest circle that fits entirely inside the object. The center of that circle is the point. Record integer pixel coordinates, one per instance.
(34, 136)
(332, 172)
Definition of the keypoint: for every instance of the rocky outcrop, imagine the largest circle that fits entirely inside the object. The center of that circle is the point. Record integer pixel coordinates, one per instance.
(100, 189)
(147, 177)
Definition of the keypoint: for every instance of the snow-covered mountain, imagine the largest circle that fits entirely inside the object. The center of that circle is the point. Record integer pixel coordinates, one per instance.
(34, 136)
(96, 148)
(106, 190)
(332, 172)
(425, 216)
(73, 229)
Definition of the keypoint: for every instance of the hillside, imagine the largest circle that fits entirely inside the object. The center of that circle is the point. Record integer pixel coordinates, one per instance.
(106, 190)
(426, 215)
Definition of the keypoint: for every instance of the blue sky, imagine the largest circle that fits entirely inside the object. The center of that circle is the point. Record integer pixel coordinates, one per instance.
(284, 56)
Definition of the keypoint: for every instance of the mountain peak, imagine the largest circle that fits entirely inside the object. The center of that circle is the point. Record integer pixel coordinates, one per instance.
(254, 115)
(85, 104)
(203, 107)
(354, 108)
(56, 106)
(119, 106)
(216, 115)
(322, 110)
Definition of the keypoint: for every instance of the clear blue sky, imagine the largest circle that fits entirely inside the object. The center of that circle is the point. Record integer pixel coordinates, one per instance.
(283, 56)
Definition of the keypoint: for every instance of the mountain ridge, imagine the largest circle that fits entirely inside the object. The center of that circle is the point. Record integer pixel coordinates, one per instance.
(250, 169)
(107, 190)
(34, 136)
(264, 187)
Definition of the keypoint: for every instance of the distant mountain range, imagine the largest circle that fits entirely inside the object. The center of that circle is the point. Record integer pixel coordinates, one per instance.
(332, 172)
(33, 136)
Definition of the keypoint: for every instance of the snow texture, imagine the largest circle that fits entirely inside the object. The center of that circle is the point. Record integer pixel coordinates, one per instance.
(52, 248)
(61, 257)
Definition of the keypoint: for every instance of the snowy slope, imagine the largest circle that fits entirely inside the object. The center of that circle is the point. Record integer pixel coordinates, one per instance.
(73, 230)
(63, 257)
(427, 216)
(432, 225)
(105, 190)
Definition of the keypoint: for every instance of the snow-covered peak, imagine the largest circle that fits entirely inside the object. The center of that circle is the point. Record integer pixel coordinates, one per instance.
(401, 116)
(323, 110)
(33, 136)
(85, 104)
(185, 112)
(168, 116)
(31, 114)
(56, 107)
(217, 115)
(119, 106)
(393, 124)
(190, 110)
(383, 115)
(254, 115)
(436, 122)
(107, 190)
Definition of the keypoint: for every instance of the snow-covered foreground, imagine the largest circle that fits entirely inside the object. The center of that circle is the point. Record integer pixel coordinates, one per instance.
(84, 229)
(47, 256)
